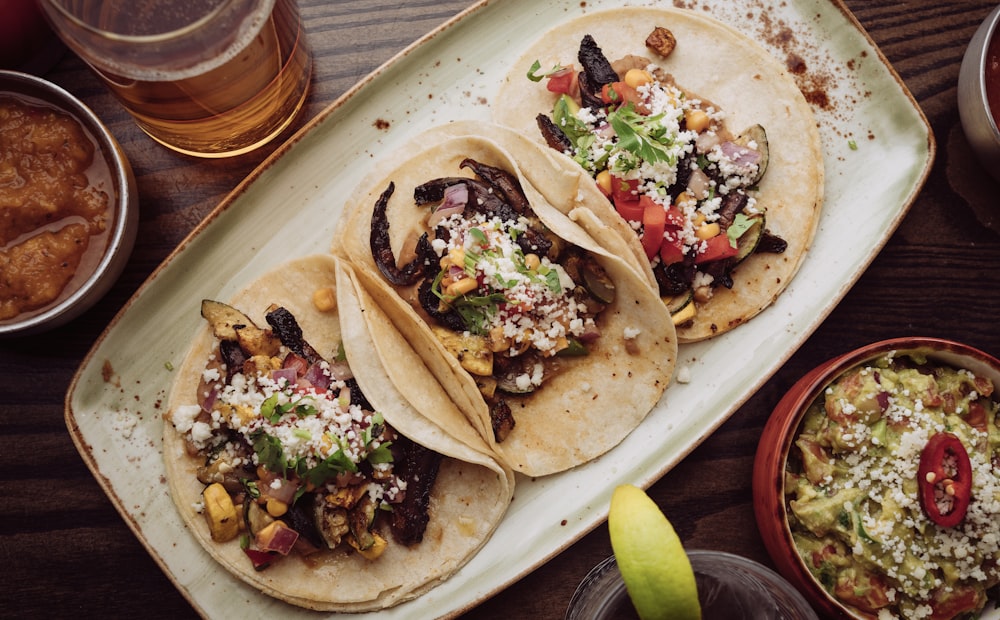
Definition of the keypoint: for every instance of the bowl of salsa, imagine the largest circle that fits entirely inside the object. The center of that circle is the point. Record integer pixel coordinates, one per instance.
(979, 93)
(68, 207)
(877, 482)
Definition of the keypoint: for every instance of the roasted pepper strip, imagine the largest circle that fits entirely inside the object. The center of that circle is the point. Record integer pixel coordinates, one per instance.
(945, 478)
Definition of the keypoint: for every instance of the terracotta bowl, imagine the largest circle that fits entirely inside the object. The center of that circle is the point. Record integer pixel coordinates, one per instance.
(770, 506)
(102, 267)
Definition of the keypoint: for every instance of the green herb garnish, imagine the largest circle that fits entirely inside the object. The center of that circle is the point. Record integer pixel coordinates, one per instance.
(535, 76)
(643, 136)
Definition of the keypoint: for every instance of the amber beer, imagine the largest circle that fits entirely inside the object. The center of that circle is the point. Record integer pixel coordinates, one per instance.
(211, 78)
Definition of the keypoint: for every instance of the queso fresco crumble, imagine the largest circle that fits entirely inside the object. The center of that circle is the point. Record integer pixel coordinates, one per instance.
(873, 496)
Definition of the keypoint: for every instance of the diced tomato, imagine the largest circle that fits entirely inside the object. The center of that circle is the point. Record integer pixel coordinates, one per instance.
(976, 417)
(716, 248)
(620, 93)
(675, 217)
(866, 591)
(672, 249)
(950, 604)
(563, 82)
(654, 218)
(624, 191)
(630, 210)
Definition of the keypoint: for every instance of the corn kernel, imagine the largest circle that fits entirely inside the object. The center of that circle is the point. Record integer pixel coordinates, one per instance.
(325, 299)
(637, 77)
(457, 256)
(604, 181)
(707, 231)
(684, 198)
(461, 287)
(696, 120)
(276, 508)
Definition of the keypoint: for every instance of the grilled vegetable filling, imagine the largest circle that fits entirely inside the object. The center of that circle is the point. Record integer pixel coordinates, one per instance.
(296, 460)
(506, 297)
(667, 163)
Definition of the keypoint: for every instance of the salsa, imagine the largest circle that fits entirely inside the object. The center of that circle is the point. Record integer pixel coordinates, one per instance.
(53, 215)
(884, 511)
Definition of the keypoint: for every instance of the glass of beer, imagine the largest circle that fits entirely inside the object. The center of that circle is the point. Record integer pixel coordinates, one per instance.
(210, 78)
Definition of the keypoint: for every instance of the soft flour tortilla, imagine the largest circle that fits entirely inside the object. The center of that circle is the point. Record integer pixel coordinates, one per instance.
(721, 65)
(470, 496)
(581, 412)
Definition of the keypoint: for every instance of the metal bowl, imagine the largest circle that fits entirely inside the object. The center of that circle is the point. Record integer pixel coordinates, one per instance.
(973, 105)
(782, 428)
(87, 287)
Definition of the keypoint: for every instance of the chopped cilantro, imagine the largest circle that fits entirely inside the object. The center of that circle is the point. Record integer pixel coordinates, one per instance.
(329, 467)
(269, 452)
(640, 135)
(381, 454)
(535, 76)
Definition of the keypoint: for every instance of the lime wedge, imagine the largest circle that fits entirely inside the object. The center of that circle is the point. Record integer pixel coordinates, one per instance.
(654, 566)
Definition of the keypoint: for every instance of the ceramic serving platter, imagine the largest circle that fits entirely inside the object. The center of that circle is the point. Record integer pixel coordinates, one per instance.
(877, 150)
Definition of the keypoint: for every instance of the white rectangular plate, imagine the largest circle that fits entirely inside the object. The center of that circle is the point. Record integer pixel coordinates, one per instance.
(877, 150)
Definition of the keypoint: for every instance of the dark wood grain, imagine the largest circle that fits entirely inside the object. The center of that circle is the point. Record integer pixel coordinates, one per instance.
(65, 551)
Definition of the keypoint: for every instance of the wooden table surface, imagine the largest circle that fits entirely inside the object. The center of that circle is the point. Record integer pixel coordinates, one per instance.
(64, 549)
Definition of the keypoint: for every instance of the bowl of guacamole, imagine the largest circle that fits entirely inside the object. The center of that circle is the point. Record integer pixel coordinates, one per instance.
(877, 482)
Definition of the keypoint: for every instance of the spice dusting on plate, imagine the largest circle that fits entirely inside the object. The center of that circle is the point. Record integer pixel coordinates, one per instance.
(52, 217)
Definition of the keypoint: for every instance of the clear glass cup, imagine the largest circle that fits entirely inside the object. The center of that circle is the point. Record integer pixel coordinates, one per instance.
(211, 78)
(729, 586)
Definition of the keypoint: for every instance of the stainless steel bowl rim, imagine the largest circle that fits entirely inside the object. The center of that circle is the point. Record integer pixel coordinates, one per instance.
(122, 237)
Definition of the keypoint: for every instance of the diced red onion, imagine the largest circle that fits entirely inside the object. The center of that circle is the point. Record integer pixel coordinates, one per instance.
(209, 402)
(289, 375)
(698, 183)
(590, 334)
(605, 131)
(340, 371)
(281, 541)
(742, 156)
(455, 198)
(284, 492)
(317, 377)
(882, 398)
(706, 141)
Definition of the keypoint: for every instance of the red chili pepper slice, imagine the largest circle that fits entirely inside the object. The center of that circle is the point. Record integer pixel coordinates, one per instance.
(945, 470)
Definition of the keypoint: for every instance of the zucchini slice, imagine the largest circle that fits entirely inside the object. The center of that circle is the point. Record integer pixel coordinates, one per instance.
(748, 241)
(682, 308)
(757, 135)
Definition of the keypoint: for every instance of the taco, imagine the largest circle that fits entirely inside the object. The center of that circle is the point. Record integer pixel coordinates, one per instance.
(555, 347)
(700, 139)
(302, 468)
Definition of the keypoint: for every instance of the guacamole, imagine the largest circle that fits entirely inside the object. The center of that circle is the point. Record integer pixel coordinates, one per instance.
(865, 509)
